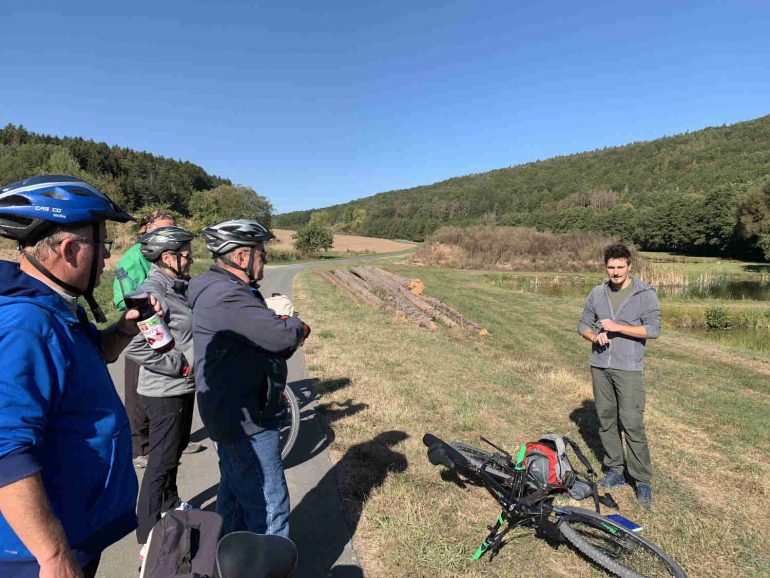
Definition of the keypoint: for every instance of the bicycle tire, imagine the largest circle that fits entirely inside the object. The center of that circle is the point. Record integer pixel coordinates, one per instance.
(477, 457)
(615, 548)
(289, 425)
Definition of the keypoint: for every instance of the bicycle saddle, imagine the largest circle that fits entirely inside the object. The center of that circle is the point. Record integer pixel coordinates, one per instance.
(250, 555)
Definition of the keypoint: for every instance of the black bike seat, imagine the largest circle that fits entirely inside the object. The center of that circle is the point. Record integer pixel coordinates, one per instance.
(250, 555)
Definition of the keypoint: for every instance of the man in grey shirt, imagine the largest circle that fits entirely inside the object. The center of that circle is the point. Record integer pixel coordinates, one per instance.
(618, 318)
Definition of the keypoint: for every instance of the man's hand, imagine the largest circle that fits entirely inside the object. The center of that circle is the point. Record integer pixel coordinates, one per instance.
(601, 338)
(115, 338)
(60, 566)
(131, 315)
(610, 326)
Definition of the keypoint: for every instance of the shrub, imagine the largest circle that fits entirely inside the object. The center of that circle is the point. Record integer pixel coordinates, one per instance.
(513, 249)
(229, 202)
(717, 317)
(312, 239)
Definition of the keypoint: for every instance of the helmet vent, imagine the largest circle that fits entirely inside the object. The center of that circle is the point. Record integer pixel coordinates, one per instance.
(81, 192)
(16, 220)
(14, 201)
(53, 195)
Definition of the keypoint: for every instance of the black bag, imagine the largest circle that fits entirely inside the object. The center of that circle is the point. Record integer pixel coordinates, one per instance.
(183, 544)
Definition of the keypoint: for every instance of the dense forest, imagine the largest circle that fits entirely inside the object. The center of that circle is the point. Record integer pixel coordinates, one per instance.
(703, 192)
(134, 180)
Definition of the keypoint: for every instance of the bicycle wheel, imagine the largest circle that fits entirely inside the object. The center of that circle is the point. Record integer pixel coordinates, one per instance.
(616, 549)
(476, 456)
(289, 424)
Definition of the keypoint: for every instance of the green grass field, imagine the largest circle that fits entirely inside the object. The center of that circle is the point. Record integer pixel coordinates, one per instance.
(383, 383)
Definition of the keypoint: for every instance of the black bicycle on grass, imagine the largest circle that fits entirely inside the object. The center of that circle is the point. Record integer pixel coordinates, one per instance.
(526, 502)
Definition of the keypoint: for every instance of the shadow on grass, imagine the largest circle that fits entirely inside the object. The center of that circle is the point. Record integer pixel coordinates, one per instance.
(588, 426)
(363, 468)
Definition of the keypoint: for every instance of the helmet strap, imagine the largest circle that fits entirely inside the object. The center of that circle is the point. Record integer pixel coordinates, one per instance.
(248, 269)
(176, 271)
(88, 294)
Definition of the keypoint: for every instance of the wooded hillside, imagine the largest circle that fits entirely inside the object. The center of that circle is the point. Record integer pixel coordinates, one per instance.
(705, 192)
(133, 179)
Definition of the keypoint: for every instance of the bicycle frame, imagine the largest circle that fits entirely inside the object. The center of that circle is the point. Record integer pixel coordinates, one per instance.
(534, 509)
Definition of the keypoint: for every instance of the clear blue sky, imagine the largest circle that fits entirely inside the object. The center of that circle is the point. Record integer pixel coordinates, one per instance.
(314, 103)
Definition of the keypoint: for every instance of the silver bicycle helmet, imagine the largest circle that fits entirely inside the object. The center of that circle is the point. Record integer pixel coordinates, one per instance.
(228, 235)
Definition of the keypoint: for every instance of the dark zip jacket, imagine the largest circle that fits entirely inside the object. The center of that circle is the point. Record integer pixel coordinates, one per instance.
(241, 348)
(61, 417)
(641, 307)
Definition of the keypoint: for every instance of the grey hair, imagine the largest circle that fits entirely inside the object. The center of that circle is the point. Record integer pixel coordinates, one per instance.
(44, 247)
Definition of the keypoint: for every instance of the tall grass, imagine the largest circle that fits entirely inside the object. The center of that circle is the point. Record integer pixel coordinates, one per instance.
(512, 249)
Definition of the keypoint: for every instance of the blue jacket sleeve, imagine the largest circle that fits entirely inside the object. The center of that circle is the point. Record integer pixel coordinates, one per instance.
(29, 385)
(252, 320)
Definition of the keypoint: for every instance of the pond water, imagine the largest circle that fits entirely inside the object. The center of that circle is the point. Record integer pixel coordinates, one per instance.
(732, 289)
(722, 288)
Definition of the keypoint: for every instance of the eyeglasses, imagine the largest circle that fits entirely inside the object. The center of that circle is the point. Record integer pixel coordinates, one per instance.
(107, 244)
(187, 256)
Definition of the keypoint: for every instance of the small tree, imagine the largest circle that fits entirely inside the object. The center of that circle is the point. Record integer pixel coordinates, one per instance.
(312, 239)
(229, 202)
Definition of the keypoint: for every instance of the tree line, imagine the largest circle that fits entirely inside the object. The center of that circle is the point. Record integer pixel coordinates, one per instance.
(703, 192)
(135, 180)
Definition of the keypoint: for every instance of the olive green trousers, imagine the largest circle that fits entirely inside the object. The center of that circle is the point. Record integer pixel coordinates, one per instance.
(619, 397)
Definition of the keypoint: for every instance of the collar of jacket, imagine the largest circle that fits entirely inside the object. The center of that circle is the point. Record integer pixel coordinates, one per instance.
(171, 283)
(232, 276)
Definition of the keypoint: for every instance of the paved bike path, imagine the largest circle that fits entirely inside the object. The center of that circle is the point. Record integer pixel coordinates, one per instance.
(317, 522)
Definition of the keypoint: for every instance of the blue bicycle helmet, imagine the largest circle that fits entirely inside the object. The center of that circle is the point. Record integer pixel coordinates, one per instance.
(30, 207)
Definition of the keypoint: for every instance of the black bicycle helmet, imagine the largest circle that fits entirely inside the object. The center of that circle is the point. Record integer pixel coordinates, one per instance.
(154, 243)
(162, 239)
(228, 235)
(32, 207)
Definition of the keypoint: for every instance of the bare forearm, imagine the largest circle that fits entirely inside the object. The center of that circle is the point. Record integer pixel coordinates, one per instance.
(589, 335)
(25, 507)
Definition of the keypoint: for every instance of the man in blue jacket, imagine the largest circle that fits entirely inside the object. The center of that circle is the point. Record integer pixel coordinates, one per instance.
(241, 348)
(618, 318)
(67, 485)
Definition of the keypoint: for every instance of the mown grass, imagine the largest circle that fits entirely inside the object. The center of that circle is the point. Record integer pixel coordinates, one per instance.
(708, 421)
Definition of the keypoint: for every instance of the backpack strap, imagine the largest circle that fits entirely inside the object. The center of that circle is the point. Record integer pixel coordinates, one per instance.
(184, 548)
(580, 455)
(589, 469)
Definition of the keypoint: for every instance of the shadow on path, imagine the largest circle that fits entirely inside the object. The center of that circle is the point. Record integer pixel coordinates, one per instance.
(363, 468)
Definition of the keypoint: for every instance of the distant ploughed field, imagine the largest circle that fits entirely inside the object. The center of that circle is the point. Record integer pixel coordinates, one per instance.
(346, 243)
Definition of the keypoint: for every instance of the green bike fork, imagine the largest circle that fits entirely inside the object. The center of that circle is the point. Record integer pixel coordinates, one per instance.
(489, 540)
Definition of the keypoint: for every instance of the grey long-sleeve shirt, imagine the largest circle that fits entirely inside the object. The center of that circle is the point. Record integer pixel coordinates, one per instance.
(160, 374)
(640, 308)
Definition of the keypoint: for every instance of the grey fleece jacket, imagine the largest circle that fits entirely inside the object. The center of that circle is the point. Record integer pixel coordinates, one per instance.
(641, 307)
(160, 373)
